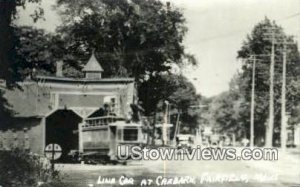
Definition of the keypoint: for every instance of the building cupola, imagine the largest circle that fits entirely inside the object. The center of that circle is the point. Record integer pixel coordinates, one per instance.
(93, 69)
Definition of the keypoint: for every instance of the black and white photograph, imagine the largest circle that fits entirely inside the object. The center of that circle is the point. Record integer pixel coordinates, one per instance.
(149, 93)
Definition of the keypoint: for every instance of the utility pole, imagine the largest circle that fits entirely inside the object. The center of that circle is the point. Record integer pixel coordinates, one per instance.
(269, 138)
(165, 124)
(283, 100)
(283, 133)
(269, 129)
(270, 126)
(252, 103)
(176, 125)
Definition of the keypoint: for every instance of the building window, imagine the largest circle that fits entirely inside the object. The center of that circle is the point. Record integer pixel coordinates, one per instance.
(130, 134)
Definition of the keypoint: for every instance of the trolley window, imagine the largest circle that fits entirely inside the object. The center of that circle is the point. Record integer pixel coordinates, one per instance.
(130, 135)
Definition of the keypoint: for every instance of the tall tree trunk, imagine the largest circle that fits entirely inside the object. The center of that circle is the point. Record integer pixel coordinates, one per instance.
(7, 8)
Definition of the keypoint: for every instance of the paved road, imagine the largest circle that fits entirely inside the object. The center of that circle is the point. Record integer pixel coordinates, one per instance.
(284, 172)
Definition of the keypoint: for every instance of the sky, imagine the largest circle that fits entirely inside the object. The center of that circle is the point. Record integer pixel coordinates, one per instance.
(216, 30)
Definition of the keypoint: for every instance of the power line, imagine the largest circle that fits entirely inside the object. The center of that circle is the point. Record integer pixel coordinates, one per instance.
(289, 17)
(229, 34)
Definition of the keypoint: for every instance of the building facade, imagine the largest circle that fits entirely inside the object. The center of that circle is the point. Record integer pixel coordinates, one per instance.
(51, 109)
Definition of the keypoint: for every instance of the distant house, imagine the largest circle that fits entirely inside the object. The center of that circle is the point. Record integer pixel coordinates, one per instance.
(51, 109)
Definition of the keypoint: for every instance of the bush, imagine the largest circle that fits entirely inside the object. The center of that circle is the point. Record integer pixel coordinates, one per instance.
(19, 168)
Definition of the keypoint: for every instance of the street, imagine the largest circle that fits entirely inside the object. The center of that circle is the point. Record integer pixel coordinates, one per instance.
(283, 172)
(149, 93)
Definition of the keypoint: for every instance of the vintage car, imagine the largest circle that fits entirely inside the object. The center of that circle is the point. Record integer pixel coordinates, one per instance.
(185, 141)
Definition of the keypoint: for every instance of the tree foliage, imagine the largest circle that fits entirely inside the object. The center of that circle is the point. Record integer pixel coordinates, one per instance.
(36, 52)
(187, 101)
(140, 39)
(8, 12)
(9, 70)
(229, 112)
(234, 106)
(256, 44)
(19, 168)
(5, 111)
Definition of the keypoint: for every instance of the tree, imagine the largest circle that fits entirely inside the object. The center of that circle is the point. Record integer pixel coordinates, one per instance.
(5, 112)
(156, 89)
(229, 112)
(9, 70)
(183, 103)
(187, 103)
(174, 88)
(140, 39)
(256, 44)
(36, 52)
(8, 12)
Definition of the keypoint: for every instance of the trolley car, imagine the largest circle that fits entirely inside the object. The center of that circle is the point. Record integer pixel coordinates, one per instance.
(99, 138)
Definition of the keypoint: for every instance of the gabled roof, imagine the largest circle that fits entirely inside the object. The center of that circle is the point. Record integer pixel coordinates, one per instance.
(93, 65)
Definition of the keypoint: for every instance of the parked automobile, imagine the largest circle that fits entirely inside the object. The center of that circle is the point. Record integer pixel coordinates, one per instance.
(185, 141)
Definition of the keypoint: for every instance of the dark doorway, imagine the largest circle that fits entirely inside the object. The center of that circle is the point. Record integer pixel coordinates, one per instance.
(62, 129)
